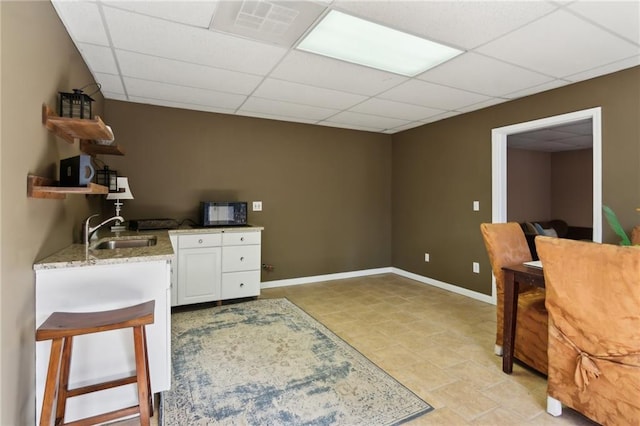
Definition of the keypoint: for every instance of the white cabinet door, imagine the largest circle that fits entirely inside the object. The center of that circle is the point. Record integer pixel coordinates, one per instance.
(199, 272)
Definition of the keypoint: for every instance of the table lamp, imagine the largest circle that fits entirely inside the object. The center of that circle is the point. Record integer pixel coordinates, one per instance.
(123, 193)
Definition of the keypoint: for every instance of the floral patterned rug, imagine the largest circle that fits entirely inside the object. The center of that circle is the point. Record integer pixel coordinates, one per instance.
(267, 362)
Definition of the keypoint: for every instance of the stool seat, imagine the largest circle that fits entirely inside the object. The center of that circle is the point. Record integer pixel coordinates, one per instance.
(61, 327)
(63, 324)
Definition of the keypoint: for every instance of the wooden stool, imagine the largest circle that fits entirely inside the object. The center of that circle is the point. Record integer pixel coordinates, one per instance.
(61, 327)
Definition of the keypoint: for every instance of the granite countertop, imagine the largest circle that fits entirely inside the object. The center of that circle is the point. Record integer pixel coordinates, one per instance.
(75, 254)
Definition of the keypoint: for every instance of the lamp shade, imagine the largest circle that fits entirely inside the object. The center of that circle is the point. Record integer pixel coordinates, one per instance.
(123, 193)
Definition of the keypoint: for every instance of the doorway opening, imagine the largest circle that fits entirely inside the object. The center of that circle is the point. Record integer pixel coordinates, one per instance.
(499, 161)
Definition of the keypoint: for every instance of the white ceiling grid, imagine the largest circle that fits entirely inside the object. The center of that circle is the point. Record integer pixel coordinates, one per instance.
(239, 57)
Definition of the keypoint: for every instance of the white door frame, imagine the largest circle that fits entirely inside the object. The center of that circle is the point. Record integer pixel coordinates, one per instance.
(499, 165)
(499, 161)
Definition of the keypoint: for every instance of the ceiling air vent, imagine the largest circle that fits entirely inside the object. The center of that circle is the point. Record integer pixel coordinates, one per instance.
(277, 22)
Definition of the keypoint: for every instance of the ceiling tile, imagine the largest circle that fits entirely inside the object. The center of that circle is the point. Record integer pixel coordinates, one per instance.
(432, 95)
(483, 104)
(395, 109)
(366, 120)
(620, 17)
(185, 74)
(306, 95)
(537, 89)
(109, 82)
(187, 95)
(83, 21)
(180, 105)
(546, 44)
(98, 58)
(157, 37)
(116, 96)
(465, 24)
(286, 109)
(606, 69)
(276, 117)
(349, 126)
(404, 127)
(487, 76)
(198, 13)
(320, 71)
(440, 117)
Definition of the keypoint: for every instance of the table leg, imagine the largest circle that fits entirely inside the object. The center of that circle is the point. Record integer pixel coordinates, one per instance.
(509, 320)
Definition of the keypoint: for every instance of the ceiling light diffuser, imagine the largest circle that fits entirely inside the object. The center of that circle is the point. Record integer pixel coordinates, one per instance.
(356, 40)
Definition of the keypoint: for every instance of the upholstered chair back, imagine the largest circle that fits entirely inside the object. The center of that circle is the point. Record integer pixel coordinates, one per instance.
(635, 235)
(593, 300)
(506, 245)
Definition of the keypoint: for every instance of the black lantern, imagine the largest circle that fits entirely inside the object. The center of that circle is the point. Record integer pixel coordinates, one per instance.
(107, 177)
(75, 105)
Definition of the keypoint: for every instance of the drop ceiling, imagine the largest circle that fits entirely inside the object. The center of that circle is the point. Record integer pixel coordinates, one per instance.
(564, 137)
(240, 57)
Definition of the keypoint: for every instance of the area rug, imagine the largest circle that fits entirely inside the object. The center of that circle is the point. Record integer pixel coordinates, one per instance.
(267, 362)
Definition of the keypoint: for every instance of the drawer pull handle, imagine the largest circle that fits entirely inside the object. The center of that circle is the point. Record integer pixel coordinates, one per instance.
(241, 238)
(241, 284)
(241, 259)
(200, 241)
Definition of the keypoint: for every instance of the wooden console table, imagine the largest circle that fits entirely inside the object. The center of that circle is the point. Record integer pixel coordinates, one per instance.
(514, 276)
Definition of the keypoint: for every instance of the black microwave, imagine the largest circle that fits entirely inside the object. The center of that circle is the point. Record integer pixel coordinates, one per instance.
(216, 213)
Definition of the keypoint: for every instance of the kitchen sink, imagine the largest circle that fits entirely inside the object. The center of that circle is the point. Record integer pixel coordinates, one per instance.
(145, 241)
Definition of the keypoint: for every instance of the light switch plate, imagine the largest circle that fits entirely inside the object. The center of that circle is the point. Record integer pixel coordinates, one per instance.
(257, 206)
(476, 206)
(476, 267)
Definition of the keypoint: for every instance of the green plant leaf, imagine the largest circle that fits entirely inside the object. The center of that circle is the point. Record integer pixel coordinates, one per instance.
(614, 223)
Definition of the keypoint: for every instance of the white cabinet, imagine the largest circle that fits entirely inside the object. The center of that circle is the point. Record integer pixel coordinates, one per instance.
(215, 265)
(103, 356)
(198, 275)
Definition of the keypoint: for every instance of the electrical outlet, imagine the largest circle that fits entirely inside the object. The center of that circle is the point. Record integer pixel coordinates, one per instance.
(476, 267)
(426, 257)
(257, 206)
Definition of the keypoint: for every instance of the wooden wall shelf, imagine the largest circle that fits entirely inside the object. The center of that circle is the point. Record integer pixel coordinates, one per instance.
(41, 187)
(85, 131)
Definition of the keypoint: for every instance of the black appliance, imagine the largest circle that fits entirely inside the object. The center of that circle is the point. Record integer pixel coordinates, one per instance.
(217, 213)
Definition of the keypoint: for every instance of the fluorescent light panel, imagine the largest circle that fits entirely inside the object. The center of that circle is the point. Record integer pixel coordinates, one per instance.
(356, 40)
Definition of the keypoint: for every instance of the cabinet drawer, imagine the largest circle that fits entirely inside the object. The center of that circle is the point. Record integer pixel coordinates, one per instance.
(240, 258)
(240, 284)
(199, 240)
(240, 238)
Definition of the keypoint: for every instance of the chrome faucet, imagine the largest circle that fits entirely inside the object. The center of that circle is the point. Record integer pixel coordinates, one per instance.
(89, 230)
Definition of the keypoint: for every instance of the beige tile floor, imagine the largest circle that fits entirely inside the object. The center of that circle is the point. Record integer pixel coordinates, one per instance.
(437, 343)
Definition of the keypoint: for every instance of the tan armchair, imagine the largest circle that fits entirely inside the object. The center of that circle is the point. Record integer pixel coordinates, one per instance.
(593, 299)
(635, 235)
(506, 245)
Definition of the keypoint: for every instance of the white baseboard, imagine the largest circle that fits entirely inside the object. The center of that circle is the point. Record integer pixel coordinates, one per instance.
(327, 277)
(390, 270)
(445, 286)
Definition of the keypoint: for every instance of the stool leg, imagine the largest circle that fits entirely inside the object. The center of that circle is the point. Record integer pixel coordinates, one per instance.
(63, 383)
(50, 386)
(141, 372)
(146, 363)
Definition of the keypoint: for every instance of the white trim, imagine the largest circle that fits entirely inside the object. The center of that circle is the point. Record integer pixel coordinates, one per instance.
(390, 270)
(499, 164)
(446, 286)
(327, 277)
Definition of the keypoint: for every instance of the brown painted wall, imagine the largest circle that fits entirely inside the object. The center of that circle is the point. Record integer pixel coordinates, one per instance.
(528, 185)
(325, 191)
(542, 186)
(38, 60)
(572, 188)
(440, 168)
